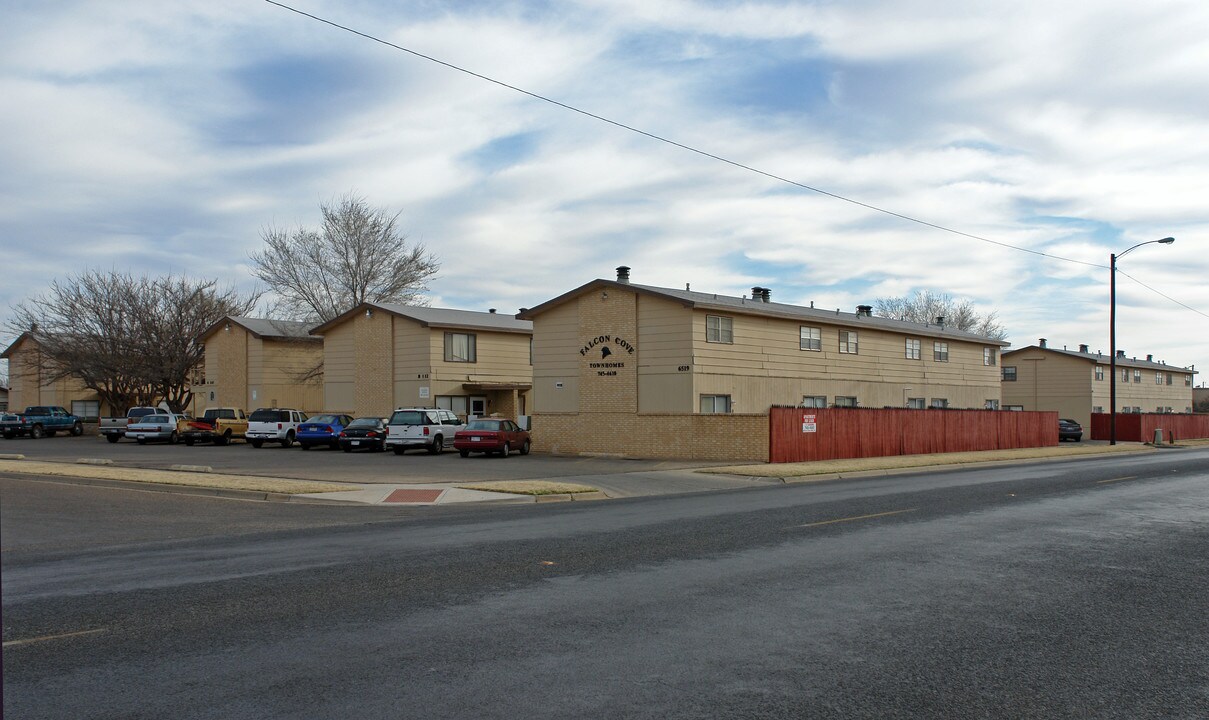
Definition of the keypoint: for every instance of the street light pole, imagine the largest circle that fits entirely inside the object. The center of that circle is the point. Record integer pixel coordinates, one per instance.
(1112, 335)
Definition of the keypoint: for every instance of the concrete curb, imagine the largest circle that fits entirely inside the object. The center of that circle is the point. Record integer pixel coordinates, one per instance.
(191, 468)
(168, 488)
(94, 461)
(12, 456)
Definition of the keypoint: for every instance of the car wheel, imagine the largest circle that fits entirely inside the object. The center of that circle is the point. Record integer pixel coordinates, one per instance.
(189, 442)
(525, 448)
(289, 440)
(437, 446)
(464, 453)
(399, 450)
(257, 443)
(77, 429)
(506, 451)
(36, 432)
(141, 441)
(113, 438)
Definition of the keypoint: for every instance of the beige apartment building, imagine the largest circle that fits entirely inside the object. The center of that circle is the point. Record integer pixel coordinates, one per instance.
(381, 356)
(636, 369)
(32, 383)
(1076, 383)
(257, 362)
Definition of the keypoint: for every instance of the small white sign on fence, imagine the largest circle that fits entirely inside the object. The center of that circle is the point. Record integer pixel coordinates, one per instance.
(808, 424)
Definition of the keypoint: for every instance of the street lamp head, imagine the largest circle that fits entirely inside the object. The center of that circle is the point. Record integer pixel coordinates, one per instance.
(1166, 241)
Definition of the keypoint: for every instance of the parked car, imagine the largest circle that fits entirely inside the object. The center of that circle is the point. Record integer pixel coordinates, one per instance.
(364, 434)
(491, 435)
(322, 430)
(1069, 430)
(161, 427)
(114, 428)
(41, 421)
(278, 425)
(427, 428)
(217, 425)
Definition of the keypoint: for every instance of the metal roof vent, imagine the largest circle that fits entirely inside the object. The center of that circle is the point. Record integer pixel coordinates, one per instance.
(864, 311)
(940, 320)
(1041, 342)
(1083, 348)
(623, 274)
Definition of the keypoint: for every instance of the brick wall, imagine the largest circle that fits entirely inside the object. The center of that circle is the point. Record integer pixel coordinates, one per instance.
(374, 341)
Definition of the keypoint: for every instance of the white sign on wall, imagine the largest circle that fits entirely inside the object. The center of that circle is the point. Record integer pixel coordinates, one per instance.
(424, 392)
(808, 424)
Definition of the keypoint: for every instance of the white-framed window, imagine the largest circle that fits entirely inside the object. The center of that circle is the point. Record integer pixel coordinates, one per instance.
(1124, 375)
(814, 401)
(719, 329)
(460, 347)
(845, 401)
(86, 409)
(711, 404)
(811, 338)
(1137, 376)
(916, 403)
(1097, 409)
(1158, 378)
(849, 342)
(940, 402)
(940, 351)
(1169, 378)
(912, 349)
(991, 404)
(989, 356)
(1099, 372)
(1009, 373)
(1014, 408)
(1188, 382)
(457, 404)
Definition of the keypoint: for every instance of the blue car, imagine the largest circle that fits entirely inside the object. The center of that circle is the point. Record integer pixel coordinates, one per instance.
(322, 430)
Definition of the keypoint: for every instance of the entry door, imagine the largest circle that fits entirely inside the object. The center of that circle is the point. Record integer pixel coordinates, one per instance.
(478, 406)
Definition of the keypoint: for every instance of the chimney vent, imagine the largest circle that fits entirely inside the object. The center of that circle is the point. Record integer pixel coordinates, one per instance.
(491, 310)
(1083, 348)
(864, 311)
(940, 320)
(1041, 342)
(1120, 353)
(766, 294)
(1149, 357)
(623, 274)
(757, 293)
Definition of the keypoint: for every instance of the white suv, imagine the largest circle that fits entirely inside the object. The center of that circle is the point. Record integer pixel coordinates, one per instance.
(428, 428)
(274, 425)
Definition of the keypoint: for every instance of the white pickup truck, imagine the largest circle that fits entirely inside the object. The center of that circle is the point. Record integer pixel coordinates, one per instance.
(428, 428)
(279, 425)
(114, 428)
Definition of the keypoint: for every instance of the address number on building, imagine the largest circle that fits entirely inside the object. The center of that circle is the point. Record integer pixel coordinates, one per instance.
(684, 368)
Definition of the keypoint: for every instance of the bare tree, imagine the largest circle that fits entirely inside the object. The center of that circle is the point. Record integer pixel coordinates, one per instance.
(132, 340)
(925, 306)
(356, 256)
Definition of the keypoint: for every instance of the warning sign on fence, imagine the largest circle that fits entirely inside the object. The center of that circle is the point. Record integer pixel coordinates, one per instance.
(808, 424)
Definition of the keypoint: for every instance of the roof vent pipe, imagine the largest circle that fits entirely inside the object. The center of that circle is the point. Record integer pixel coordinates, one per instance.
(1041, 342)
(864, 311)
(1149, 357)
(1120, 353)
(623, 274)
(757, 293)
(766, 294)
(940, 320)
(491, 310)
(1083, 348)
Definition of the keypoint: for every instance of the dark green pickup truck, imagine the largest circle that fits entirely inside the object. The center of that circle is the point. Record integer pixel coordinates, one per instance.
(40, 421)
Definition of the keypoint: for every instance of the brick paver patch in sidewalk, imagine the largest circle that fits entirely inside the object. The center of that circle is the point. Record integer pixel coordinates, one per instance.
(419, 495)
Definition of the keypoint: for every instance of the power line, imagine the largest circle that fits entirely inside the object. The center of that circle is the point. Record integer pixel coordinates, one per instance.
(712, 156)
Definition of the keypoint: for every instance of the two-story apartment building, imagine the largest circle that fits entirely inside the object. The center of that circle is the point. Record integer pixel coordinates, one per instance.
(610, 352)
(380, 356)
(1075, 383)
(32, 382)
(258, 362)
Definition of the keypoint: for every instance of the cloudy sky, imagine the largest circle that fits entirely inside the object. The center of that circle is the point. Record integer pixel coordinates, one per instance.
(164, 137)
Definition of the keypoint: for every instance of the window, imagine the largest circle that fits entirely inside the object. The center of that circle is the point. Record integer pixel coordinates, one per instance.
(460, 347)
(848, 342)
(1009, 373)
(845, 401)
(916, 403)
(940, 351)
(988, 356)
(940, 402)
(1137, 376)
(812, 338)
(991, 404)
(1097, 409)
(1188, 382)
(912, 349)
(1158, 378)
(1168, 378)
(1124, 375)
(1014, 408)
(814, 401)
(86, 409)
(1099, 372)
(715, 404)
(719, 329)
(458, 404)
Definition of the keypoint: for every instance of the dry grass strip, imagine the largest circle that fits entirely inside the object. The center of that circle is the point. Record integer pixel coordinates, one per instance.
(895, 462)
(529, 487)
(170, 477)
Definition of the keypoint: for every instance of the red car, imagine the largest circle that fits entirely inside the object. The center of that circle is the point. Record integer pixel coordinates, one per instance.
(491, 436)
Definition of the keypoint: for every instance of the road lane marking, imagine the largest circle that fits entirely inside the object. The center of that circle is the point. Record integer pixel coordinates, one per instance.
(858, 517)
(45, 638)
(1128, 477)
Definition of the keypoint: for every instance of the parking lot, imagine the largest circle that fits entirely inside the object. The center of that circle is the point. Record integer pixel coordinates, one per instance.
(416, 466)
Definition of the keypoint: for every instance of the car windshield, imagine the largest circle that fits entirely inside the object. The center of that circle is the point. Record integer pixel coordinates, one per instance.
(324, 420)
(483, 425)
(409, 417)
(141, 412)
(364, 422)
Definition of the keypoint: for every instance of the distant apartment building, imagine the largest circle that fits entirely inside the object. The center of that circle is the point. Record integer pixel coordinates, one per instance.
(1075, 383)
(32, 381)
(257, 362)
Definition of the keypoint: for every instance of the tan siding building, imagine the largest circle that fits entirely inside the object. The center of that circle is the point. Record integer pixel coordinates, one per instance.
(381, 356)
(256, 362)
(32, 382)
(615, 361)
(1076, 383)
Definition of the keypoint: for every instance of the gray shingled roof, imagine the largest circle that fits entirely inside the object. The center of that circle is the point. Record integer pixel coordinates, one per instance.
(269, 328)
(1104, 359)
(444, 317)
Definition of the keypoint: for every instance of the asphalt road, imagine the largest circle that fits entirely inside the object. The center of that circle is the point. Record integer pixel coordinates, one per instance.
(1076, 589)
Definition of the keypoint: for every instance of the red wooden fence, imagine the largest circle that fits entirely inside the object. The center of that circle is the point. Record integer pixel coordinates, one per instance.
(799, 434)
(1140, 427)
